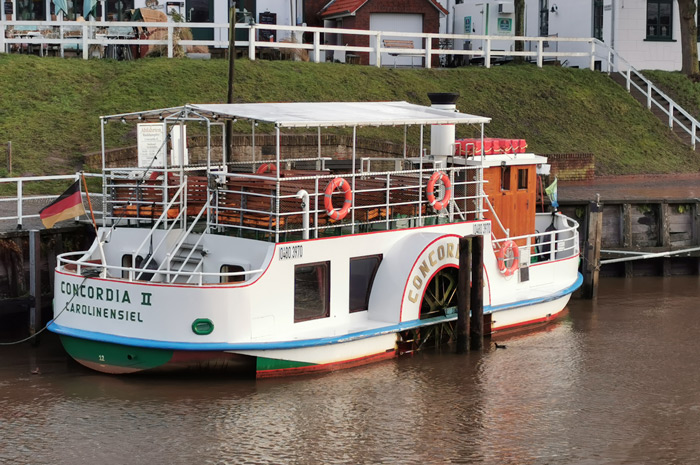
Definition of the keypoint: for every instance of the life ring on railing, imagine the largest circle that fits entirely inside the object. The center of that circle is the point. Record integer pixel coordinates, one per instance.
(156, 174)
(327, 202)
(442, 203)
(266, 167)
(502, 256)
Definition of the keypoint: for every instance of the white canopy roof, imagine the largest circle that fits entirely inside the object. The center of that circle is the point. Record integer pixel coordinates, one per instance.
(314, 114)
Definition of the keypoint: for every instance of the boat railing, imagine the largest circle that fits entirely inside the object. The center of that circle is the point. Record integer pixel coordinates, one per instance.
(560, 241)
(89, 267)
(301, 204)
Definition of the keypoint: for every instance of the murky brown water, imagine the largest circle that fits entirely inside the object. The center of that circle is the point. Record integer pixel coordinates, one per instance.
(615, 382)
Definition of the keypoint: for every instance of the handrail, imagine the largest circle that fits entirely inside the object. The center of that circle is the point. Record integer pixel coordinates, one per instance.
(668, 105)
(62, 261)
(185, 235)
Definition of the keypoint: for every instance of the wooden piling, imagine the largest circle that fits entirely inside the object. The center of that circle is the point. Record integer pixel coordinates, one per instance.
(463, 294)
(35, 282)
(594, 233)
(476, 331)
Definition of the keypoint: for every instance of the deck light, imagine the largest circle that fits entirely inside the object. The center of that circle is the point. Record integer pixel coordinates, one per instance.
(123, 120)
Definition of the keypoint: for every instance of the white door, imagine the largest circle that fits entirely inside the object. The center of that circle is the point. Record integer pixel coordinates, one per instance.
(387, 23)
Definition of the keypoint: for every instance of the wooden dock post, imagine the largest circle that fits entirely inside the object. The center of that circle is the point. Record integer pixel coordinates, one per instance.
(594, 233)
(35, 282)
(463, 294)
(476, 332)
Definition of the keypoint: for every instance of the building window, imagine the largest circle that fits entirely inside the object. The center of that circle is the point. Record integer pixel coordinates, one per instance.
(31, 10)
(544, 18)
(312, 291)
(362, 273)
(659, 19)
(117, 9)
(522, 179)
(232, 269)
(505, 178)
(598, 19)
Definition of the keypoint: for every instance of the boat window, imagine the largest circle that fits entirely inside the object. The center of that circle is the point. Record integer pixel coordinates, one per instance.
(311, 291)
(126, 263)
(505, 178)
(231, 269)
(362, 272)
(522, 179)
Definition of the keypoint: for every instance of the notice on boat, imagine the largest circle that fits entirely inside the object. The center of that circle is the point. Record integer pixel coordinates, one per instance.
(289, 252)
(151, 144)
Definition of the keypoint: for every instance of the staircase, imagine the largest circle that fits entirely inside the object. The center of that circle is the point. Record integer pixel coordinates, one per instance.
(187, 258)
(682, 123)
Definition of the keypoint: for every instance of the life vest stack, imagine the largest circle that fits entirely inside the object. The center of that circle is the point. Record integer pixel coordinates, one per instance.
(491, 146)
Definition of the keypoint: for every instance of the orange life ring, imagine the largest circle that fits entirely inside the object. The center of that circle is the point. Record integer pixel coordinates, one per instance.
(328, 203)
(501, 255)
(264, 168)
(442, 203)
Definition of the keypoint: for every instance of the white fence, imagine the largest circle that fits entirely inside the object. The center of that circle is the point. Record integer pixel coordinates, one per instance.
(88, 37)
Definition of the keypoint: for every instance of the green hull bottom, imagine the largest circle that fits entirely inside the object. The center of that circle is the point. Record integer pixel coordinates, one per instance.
(119, 359)
(115, 358)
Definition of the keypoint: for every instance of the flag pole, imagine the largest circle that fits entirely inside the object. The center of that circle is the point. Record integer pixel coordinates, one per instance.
(103, 273)
(87, 194)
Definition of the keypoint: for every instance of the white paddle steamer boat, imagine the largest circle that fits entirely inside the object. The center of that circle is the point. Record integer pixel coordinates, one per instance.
(294, 265)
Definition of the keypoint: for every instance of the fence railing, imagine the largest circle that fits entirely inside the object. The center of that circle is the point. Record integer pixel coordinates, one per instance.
(655, 97)
(17, 209)
(88, 38)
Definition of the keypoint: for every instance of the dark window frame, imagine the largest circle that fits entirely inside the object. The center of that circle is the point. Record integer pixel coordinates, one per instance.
(370, 282)
(655, 24)
(326, 289)
(598, 19)
(505, 178)
(523, 176)
(544, 18)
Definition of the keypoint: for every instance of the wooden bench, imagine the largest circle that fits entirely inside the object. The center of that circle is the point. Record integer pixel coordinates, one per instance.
(404, 44)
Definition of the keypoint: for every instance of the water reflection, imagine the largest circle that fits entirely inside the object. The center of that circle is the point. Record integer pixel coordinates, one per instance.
(612, 382)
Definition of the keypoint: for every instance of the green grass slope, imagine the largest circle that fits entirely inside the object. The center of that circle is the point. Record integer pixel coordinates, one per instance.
(49, 107)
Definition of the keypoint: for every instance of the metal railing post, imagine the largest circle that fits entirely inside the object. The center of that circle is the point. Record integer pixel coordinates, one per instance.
(19, 204)
(2, 34)
(670, 114)
(693, 136)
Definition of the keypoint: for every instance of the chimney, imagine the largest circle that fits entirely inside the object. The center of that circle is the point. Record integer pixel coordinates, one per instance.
(442, 136)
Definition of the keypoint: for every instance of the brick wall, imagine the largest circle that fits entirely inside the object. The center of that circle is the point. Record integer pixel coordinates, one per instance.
(572, 166)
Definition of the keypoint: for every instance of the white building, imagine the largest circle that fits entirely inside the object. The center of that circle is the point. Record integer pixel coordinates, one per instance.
(646, 33)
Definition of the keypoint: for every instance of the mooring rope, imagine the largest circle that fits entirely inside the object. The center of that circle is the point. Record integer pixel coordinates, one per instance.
(28, 338)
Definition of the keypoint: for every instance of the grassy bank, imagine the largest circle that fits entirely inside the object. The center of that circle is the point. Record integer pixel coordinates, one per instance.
(50, 106)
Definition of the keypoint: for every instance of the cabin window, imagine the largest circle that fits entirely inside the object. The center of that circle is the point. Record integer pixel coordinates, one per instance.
(312, 291)
(362, 273)
(522, 179)
(505, 178)
(231, 269)
(598, 19)
(659, 19)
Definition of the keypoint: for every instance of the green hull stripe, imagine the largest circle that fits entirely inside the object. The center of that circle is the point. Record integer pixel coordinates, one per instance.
(264, 364)
(105, 353)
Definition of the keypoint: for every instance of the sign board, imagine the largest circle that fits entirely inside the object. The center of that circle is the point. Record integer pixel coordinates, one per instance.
(266, 18)
(467, 24)
(8, 8)
(151, 144)
(505, 25)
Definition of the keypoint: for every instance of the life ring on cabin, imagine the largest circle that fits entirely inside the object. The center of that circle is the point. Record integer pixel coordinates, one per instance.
(266, 167)
(337, 214)
(502, 256)
(442, 203)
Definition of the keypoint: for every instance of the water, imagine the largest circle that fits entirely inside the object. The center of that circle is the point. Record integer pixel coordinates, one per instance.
(614, 382)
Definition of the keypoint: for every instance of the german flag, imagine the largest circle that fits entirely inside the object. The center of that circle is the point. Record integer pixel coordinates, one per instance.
(67, 206)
